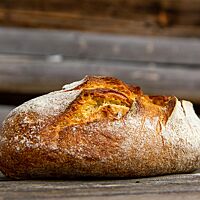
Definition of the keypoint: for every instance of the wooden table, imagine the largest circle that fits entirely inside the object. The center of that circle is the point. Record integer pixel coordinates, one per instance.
(184, 186)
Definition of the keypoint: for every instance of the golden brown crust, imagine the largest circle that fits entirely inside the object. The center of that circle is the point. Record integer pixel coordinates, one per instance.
(100, 127)
(93, 82)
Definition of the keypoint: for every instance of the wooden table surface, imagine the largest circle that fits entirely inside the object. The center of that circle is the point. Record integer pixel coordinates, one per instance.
(183, 186)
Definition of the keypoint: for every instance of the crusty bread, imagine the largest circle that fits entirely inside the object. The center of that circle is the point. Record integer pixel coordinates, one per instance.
(100, 127)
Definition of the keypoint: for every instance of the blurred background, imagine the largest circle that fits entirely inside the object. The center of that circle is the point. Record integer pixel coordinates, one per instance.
(45, 44)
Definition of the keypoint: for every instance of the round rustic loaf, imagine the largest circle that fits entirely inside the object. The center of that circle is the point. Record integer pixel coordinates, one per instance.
(100, 127)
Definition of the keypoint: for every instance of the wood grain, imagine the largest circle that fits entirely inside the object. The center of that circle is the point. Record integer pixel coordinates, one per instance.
(33, 75)
(99, 46)
(165, 187)
(153, 17)
(38, 61)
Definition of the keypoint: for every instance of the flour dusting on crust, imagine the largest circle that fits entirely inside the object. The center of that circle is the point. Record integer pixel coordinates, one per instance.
(50, 104)
(33, 116)
(73, 85)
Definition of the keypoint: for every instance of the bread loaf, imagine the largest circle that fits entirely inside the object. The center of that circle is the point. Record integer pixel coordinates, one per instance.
(100, 127)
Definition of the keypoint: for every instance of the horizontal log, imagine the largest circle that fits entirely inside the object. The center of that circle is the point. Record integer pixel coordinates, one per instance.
(153, 17)
(99, 46)
(32, 74)
(38, 61)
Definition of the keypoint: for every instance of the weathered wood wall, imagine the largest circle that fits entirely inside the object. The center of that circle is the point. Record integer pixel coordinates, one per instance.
(38, 61)
(152, 17)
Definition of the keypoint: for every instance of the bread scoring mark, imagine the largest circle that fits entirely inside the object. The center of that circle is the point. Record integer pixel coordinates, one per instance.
(191, 118)
(84, 108)
(93, 105)
(182, 126)
(101, 97)
(101, 82)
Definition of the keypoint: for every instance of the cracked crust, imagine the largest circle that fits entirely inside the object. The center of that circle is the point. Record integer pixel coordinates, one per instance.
(100, 127)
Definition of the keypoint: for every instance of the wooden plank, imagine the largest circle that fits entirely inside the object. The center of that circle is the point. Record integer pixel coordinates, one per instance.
(171, 186)
(100, 46)
(32, 74)
(153, 17)
(38, 61)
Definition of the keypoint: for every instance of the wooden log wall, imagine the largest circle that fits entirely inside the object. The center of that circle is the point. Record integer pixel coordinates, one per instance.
(141, 17)
(38, 61)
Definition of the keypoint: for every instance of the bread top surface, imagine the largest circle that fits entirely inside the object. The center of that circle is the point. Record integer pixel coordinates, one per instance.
(107, 98)
(94, 99)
